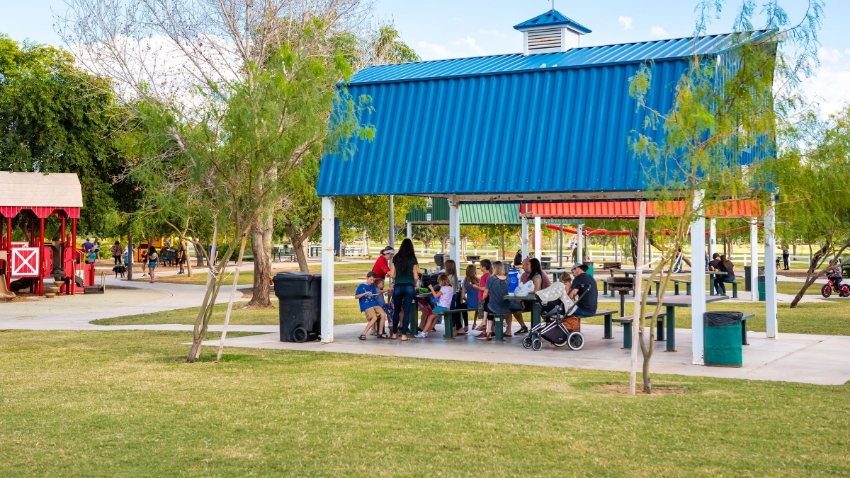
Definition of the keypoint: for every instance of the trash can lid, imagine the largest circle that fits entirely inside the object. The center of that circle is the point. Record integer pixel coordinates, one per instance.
(294, 276)
(719, 319)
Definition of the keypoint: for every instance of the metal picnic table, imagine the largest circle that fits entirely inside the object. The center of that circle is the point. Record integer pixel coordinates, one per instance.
(671, 303)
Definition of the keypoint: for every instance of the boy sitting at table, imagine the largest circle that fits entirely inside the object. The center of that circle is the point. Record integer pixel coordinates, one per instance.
(368, 295)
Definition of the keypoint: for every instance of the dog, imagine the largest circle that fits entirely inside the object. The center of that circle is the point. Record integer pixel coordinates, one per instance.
(119, 270)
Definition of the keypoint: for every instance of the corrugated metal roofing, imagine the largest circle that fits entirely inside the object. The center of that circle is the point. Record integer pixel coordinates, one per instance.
(659, 50)
(470, 214)
(552, 18)
(487, 214)
(508, 132)
(631, 209)
(436, 212)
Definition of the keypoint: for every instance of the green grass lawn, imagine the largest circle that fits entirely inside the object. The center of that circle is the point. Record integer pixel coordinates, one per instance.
(123, 404)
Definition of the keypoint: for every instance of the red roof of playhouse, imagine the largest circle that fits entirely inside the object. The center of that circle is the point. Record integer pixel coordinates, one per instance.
(631, 209)
(42, 193)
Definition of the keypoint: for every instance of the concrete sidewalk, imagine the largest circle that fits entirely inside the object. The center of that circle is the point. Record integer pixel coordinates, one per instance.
(815, 359)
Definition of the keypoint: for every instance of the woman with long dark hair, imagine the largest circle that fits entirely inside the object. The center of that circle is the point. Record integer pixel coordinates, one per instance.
(405, 273)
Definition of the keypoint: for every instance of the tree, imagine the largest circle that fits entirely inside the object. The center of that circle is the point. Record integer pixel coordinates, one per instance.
(53, 121)
(704, 156)
(814, 201)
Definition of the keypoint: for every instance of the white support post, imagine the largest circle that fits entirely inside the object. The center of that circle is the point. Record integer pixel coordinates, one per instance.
(327, 270)
(638, 301)
(712, 238)
(524, 237)
(580, 246)
(410, 231)
(754, 258)
(454, 231)
(770, 270)
(538, 239)
(391, 242)
(698, 281)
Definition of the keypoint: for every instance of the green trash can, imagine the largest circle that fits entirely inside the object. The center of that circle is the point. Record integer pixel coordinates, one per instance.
(761, 289)
(589, 268)
(723, 344)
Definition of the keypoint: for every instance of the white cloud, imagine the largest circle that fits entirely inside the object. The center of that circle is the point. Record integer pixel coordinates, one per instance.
(828, 87)
(626, 21)
(431, 51)
(470, 43)
(495, 33)
(830, 55)
(658, 32)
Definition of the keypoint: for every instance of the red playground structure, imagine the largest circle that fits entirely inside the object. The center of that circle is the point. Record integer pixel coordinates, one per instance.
(26, 201)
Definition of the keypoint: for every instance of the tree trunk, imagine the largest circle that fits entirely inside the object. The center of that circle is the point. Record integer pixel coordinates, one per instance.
(634, 245)
(299, 242)
(199, 256)
(261, 245)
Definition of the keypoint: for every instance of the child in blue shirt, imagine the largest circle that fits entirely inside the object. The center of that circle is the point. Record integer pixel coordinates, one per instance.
(368, 295)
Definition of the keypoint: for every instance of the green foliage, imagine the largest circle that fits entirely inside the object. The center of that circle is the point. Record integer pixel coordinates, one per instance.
(56, 118)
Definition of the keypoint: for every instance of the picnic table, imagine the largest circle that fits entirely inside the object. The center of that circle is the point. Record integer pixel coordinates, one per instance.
(671, 303)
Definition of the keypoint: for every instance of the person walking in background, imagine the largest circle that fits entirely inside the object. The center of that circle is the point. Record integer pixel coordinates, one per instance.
(116, 252)
(144, 263)
(180, 257)
(786, 256)
(153, 261)
(405, 274)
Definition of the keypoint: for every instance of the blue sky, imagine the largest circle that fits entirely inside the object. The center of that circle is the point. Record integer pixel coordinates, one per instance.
(450, 29)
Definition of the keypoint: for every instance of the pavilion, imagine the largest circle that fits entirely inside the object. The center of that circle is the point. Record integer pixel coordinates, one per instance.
(550, 124)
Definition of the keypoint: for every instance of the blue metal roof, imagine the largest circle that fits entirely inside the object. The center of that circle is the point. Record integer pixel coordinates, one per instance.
(552, 18)
(582, 57)
(503, 129)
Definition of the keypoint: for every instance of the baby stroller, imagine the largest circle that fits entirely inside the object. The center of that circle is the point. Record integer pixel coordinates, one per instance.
(553, 329)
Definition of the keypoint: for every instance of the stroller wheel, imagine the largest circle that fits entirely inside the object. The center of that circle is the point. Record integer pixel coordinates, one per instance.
(536, 344)
(526, 342)
(575, 341)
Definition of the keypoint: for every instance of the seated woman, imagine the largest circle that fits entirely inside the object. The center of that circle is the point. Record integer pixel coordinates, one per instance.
(495, 292)
(720, 282)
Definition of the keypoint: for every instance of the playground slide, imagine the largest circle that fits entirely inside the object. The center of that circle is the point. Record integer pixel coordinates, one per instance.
(5, 294)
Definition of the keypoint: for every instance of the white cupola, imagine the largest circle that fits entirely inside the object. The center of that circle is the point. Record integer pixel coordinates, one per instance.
(551, 32)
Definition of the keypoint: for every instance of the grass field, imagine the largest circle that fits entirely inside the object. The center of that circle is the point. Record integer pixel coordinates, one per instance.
(124, 404)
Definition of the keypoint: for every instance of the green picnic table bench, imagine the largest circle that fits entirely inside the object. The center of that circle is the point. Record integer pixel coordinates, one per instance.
(676, 283)
(627, 323)
(448, 322)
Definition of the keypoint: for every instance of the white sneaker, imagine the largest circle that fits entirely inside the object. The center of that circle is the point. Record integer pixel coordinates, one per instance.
(421, 335)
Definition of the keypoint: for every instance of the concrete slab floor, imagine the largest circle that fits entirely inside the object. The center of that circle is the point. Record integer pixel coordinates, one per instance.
(815, 359)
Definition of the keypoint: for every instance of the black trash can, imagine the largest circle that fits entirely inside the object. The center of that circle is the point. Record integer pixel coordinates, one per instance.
(723, 343)
(438, 259)
(300, 306)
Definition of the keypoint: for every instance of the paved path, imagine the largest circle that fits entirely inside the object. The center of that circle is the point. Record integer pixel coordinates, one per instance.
(794, 358)
(816, 359)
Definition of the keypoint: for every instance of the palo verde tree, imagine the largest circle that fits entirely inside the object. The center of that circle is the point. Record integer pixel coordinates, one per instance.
(249, 103)
(194, 58)
(725, 108)
(815, 201)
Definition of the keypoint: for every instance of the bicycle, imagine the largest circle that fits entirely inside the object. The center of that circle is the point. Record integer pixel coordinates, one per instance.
(830, 287)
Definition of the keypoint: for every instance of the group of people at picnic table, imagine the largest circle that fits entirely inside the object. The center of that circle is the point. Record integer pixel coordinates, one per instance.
(486, 296)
